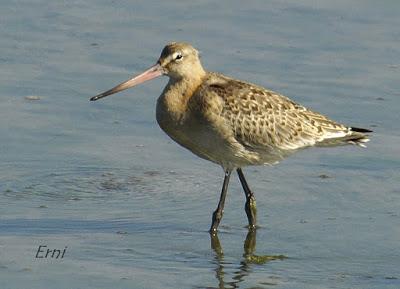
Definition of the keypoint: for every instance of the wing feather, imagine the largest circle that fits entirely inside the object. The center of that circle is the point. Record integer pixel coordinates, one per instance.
(261, 118)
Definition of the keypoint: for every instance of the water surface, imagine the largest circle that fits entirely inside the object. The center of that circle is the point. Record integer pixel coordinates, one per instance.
(133, 208)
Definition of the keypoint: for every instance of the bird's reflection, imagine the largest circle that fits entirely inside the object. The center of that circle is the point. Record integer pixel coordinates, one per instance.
(244, 269)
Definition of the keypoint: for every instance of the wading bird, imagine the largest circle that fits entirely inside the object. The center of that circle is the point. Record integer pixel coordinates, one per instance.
(231, 122)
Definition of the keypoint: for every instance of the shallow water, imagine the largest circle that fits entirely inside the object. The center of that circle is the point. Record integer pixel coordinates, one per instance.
(133, 208)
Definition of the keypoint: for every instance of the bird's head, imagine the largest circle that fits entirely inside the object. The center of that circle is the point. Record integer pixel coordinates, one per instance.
(178, 60)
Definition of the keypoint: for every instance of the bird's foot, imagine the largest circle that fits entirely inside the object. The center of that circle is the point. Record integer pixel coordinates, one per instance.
(216, 219)
(251, 212)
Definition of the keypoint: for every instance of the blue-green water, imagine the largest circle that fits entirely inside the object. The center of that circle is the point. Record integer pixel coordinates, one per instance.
(133, 208)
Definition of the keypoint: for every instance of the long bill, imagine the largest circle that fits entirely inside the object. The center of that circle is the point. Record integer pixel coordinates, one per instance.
(150, 73)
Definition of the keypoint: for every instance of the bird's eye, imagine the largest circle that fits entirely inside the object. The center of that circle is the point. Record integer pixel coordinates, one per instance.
(178, 56)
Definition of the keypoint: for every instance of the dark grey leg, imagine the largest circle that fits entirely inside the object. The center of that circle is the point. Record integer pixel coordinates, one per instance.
(217, 215)
(250, 207)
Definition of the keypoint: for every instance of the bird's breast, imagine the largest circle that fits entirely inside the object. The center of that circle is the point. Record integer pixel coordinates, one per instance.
(200, 137)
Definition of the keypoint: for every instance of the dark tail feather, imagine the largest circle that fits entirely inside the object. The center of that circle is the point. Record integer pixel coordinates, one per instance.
(354, 135)
(358, 137)
(363, 130)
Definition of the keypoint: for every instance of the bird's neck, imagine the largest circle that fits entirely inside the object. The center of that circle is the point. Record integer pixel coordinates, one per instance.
(174, 99)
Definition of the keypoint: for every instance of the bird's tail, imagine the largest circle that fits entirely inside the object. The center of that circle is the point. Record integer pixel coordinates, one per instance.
(354, 135)
(358, 136)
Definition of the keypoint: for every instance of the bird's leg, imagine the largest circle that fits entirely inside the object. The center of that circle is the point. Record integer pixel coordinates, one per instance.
(250, 206)
(217, 215)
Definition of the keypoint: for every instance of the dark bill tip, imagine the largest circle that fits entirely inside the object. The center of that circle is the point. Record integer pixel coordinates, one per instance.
(93, 98)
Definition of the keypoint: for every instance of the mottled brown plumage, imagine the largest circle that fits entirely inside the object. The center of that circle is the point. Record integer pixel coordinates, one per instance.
(231, 122)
